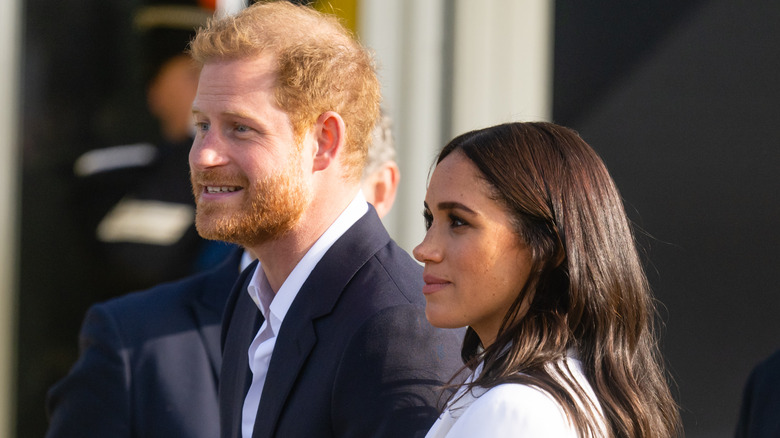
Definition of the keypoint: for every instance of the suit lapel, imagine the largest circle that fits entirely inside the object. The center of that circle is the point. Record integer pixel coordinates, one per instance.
(317, 297)
(242, 320)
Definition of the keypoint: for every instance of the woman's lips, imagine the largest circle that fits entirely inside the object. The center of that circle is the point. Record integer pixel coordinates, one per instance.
(433, 284)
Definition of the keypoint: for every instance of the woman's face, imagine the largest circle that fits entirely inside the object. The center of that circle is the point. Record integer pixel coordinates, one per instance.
(475, 264)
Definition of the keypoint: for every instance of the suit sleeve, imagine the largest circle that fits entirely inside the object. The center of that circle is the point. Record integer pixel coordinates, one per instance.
(93, 399)
(389, 382)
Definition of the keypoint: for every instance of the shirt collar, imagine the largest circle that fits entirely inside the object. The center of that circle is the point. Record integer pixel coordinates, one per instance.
(277, 305)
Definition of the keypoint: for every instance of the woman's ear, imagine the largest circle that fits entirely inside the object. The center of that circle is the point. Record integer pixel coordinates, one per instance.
(330, 132)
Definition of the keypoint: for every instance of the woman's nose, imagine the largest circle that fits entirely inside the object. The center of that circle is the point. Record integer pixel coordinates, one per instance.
(426, 251)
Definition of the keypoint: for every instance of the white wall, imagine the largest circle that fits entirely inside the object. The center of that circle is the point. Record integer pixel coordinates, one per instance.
(407, 36)
(502, 62)
(496, 68)
(9, 207)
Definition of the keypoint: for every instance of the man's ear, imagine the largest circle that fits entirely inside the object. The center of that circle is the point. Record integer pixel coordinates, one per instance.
(330, 132)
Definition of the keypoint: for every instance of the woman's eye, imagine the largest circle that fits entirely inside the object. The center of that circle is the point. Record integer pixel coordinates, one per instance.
(201, 126)
(242, 128)
(456, 222)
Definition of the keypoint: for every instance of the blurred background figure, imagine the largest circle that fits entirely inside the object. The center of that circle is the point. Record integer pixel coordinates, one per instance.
(758, 414)
(135, 200)
(381, 175)
(106, 187)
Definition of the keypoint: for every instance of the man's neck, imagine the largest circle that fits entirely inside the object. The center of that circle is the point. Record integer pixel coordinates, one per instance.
(280, 256)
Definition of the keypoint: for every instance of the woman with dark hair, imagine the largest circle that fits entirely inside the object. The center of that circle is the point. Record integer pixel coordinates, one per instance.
(529, 246)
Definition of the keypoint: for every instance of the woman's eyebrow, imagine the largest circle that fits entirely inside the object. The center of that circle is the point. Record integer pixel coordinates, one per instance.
(452, 205)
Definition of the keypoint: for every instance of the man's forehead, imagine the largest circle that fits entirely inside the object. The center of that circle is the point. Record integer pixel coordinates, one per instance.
(237, 75)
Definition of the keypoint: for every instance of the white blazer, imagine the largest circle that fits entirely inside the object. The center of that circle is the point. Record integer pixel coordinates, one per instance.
(511, 410)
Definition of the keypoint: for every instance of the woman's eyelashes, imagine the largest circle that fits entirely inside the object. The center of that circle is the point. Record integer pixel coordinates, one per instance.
(428, 218)
(455, 221)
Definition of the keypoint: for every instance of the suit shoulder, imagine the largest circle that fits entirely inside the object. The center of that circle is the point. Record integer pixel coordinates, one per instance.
(168, 307)
(760, 398)
(769, 366)
(162, 295)
(763, 382)
(400, 269)
(183, 292)
(397, 260)
(403, 333)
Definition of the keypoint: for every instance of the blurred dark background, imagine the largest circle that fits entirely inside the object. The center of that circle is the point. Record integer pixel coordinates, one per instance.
(682, 100)
(679, 98)
(86, 66)
(81, 90)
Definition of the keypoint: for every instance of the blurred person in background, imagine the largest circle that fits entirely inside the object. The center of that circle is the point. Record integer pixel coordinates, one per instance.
(759, 413)
(135, 200)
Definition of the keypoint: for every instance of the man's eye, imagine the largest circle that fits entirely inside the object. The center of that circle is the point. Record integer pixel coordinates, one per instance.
(242, 128)
(202, 126)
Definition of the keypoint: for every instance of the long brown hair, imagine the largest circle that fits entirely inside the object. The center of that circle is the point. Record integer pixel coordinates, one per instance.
(587, 290)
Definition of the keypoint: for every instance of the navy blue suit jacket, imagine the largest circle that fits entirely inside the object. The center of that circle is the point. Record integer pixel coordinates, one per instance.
(759, 415)
(149, 363)
(355, 355)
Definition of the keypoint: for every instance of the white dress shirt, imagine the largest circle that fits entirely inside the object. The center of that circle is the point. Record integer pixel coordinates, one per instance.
(511, 410)
(274, 307)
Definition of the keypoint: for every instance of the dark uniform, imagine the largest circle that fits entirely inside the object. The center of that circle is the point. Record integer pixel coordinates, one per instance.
(136, 201)
(139, 214)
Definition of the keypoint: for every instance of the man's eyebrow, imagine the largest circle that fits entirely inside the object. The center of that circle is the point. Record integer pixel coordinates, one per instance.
(239, 114)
